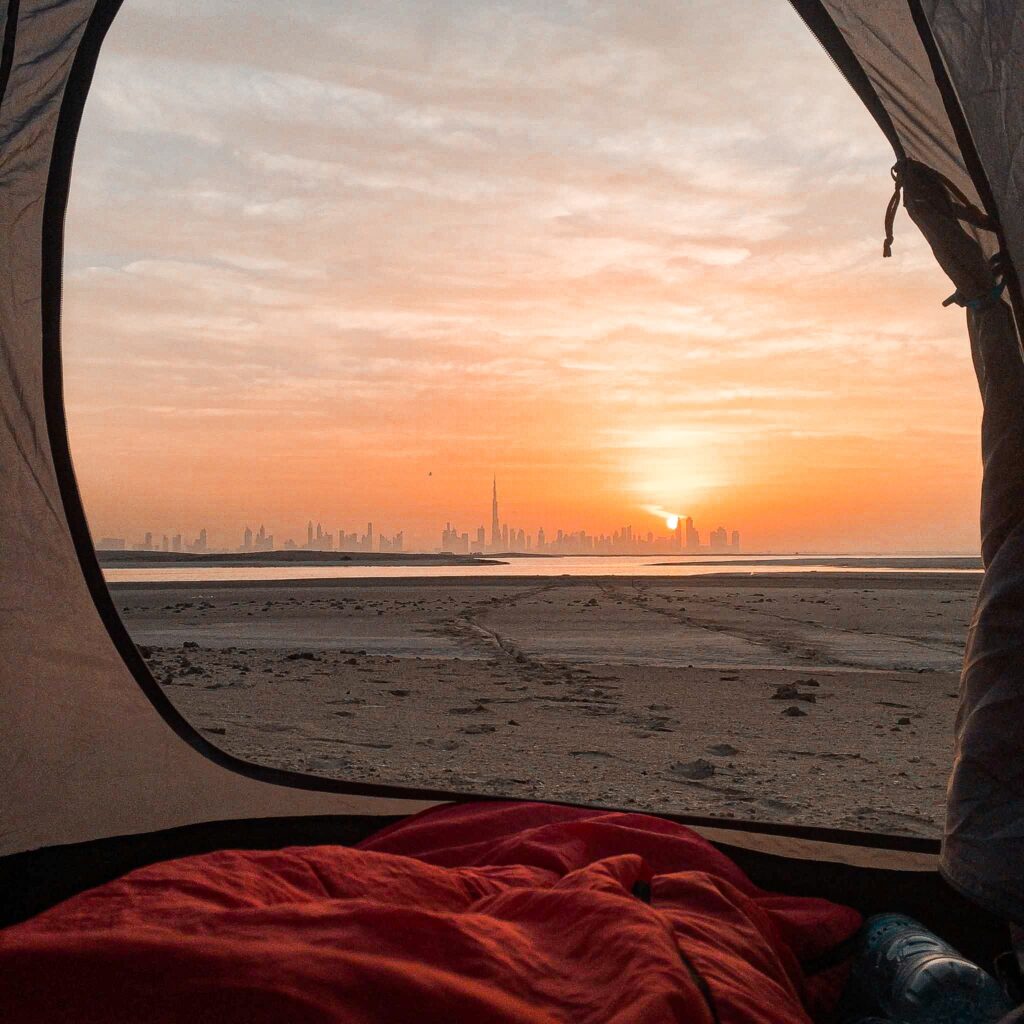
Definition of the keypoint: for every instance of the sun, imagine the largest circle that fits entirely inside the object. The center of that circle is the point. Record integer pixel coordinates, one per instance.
(671, 522)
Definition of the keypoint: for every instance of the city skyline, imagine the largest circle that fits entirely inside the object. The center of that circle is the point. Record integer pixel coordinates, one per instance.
(683, 536)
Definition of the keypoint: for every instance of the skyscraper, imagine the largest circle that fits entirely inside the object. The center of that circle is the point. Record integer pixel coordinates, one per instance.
(692, 536)
(495, 521)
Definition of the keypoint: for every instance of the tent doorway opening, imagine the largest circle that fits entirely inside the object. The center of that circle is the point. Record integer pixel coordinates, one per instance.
(518, 406)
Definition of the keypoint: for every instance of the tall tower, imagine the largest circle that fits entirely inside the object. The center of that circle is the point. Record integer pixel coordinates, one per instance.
(495, 521)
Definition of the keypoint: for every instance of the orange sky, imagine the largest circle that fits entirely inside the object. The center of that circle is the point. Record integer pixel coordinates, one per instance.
(346, 263)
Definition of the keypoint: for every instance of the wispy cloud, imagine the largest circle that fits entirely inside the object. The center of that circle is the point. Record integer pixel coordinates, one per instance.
(638, 241)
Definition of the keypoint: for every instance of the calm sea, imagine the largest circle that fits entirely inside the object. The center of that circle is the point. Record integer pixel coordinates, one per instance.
(568, 566)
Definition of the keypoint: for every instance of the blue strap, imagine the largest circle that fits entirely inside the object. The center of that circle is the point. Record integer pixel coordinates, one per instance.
(990, 298)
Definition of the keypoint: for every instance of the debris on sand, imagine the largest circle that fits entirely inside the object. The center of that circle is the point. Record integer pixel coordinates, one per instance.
(693, 770)
(788, 691)
(722, 750)
(477, 730)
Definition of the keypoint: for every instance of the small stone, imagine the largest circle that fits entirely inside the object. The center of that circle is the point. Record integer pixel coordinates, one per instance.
(699, 769)
(795, 712)
(723, 749)
(787, 691)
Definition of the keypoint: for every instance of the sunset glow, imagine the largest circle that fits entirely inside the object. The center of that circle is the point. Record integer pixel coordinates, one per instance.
(344, 262)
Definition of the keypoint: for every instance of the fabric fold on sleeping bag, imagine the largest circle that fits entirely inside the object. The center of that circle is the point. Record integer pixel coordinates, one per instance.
(517, 913)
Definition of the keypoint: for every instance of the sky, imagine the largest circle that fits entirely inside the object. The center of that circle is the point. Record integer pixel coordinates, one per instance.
(346, 260)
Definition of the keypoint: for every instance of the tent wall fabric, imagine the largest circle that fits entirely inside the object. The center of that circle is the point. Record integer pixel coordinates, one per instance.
(982, 46)
(83, 753)
(949, 75)
(89, 746)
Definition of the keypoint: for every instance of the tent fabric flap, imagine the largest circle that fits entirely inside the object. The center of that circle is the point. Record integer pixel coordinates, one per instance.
(949, 75)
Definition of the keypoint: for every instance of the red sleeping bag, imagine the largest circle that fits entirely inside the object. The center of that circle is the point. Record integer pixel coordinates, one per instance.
(476, 913)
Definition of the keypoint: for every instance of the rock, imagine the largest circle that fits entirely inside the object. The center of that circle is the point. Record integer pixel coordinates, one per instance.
(699, 769)
(723, 749)
(399, 693)
(216, 731)
(787, 691)
(300, 656)
(190, 643)
(903, 721)
(477, 730)
(351, 661)
(795, 712)
(146, 652)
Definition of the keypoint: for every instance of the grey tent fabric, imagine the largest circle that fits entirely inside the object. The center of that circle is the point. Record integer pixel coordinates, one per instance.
(950, 76)
(982, 43)
(887, 42)
(982, 850)
(84, 753)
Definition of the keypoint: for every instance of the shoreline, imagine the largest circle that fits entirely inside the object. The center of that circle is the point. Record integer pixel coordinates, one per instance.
(938, 579)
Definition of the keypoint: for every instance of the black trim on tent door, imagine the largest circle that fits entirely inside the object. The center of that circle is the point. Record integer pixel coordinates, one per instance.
(972, 160)
(57, 189)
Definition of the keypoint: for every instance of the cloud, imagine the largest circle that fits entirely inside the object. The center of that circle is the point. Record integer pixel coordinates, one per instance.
(584, 233)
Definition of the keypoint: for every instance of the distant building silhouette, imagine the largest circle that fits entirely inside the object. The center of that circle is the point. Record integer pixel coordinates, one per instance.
(495, 521)
(692, 536)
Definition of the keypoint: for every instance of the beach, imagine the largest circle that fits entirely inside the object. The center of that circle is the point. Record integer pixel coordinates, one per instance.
(823, 698)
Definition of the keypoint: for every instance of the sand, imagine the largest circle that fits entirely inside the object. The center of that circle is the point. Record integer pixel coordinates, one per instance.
(821, 698)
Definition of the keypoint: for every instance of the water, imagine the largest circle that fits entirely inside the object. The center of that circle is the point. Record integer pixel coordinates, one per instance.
(576, 565)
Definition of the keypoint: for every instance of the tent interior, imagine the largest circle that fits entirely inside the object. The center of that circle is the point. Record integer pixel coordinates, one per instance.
(103, 774)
